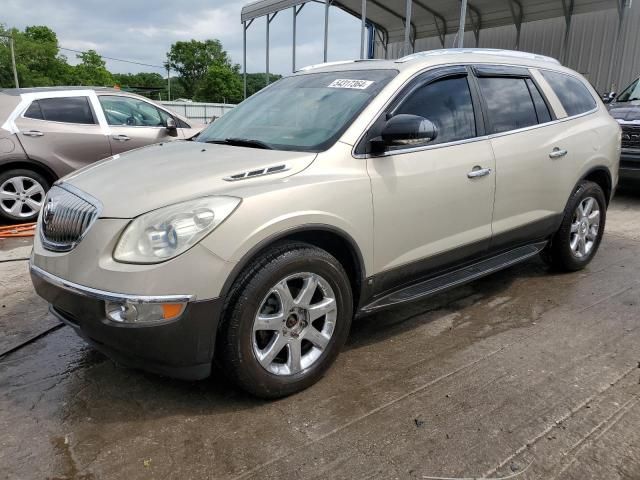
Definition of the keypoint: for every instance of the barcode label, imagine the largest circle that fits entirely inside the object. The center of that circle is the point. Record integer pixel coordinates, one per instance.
(348, 83)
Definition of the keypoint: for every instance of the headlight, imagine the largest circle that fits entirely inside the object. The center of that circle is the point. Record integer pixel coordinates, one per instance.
(169, 231)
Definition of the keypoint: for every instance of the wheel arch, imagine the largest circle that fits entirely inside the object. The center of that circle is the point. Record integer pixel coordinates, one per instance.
(600, 175)
(28, 164)
(327, 237)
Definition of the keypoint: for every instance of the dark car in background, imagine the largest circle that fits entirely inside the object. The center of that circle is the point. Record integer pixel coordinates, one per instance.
(46, 133)
(625, 108)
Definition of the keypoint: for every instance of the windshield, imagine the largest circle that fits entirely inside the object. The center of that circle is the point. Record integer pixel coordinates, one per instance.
(632, 92)
(304, 112)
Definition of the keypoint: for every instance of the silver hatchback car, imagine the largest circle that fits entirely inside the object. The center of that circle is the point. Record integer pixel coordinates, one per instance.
(46, 133)
(341, 190)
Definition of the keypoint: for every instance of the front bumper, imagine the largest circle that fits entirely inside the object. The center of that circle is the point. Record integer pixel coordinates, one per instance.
(180, 348)
(630, 164)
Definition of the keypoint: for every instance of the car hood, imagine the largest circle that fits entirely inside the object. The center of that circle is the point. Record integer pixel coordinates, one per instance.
(626, 112)
(151, 177)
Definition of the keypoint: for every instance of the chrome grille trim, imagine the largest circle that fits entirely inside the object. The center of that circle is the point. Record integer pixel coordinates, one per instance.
(630, 136)
(67, 215)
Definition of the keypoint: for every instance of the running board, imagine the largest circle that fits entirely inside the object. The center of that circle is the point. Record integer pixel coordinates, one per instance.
(452, 279)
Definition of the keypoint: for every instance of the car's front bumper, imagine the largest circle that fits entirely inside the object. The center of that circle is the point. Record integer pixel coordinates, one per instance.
(180, 348)
(630, 164)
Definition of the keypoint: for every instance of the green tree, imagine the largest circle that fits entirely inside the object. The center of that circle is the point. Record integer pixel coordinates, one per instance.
(257, 81)
(92, 70)
(38, 61)
(192, 61)
(221, 84)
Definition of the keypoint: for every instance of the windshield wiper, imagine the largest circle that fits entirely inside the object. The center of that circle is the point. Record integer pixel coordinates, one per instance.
(243, 142)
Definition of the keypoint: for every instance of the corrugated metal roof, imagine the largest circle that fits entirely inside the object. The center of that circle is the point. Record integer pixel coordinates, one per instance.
(433, 17)
(608, 58)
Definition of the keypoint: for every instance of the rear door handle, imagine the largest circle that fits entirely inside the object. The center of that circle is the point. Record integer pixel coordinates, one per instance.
(33, 133)
(557, 153)
(120, 138)
(478, 171)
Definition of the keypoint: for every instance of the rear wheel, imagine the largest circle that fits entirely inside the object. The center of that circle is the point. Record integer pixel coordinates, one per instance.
(22, 194)
(577, 241)
(286, 320)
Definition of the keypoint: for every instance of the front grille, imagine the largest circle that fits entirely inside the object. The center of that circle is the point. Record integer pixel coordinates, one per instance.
(630, 136)
(67, 216)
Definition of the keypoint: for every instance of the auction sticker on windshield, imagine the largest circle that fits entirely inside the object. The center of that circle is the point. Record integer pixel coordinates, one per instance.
(348, 83)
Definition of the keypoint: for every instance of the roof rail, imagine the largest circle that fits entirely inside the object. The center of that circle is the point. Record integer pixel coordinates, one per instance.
(325, 64)
(481, 51)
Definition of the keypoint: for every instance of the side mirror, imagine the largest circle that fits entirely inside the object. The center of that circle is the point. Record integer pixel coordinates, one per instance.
(171, 126)
(609, 97)
(407, 129)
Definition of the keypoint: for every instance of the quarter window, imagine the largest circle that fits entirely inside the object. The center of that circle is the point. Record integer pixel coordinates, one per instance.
(447, 103)
(120, 110)
(509, 103)
(34, 111)
(572, 93)
(63, 109)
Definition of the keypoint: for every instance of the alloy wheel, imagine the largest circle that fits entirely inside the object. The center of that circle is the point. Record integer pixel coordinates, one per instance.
(294, 324)
(21, 197)
(584, 227)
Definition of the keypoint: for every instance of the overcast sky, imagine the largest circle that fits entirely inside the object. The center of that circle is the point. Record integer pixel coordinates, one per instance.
(143, 31)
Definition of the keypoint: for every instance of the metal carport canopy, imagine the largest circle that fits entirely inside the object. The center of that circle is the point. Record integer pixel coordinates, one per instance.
(430, 18)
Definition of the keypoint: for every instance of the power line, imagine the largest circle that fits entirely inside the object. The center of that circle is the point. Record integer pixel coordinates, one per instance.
(118, 59)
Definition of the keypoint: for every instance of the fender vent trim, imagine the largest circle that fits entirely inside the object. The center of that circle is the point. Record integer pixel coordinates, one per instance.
(261, 172)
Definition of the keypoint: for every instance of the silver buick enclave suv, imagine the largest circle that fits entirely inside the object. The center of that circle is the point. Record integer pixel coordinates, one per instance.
(341, 190)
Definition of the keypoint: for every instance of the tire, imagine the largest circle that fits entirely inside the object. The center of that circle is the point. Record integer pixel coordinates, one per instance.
(17, 204)
(244, 352)
(567, 251)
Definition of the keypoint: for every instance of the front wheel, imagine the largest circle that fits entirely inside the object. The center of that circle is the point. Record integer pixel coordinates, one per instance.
(22, 194)
(287, 318)
(576, 242)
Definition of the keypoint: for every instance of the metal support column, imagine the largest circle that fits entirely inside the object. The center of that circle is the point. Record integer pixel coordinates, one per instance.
(269, 20)
(267, 51)
(476, 23)
(293, 40)
(363, 29)
(517, 19)
(168, 83)
(245, 27)
(326, 28)
(463, 19)
(568, 15)
(296, 11)
(407, 27)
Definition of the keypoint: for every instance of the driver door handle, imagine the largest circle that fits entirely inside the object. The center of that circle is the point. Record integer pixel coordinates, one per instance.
(120, 138)
(33, 133)
(478, 171)
(557, 153)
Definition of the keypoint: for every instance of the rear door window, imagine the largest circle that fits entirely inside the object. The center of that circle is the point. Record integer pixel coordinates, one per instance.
(509, 103)
(572, 93)
(63, 109)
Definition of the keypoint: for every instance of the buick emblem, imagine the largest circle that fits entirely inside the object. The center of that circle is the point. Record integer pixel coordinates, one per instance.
(48, 212)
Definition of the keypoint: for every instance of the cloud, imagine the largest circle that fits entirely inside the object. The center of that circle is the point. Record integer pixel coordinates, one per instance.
(143, 32)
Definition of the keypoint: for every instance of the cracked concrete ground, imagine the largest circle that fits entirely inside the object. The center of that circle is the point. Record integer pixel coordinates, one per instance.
(526, 371)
